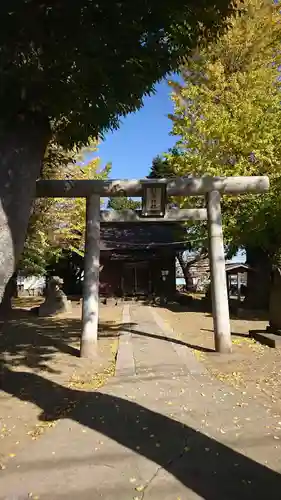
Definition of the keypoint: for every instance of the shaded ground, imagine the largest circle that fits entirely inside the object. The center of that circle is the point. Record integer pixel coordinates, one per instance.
(251, 367)
(49, 347)
(169, 432)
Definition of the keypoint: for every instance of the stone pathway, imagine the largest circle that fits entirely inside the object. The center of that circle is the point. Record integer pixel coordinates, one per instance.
(161, 430)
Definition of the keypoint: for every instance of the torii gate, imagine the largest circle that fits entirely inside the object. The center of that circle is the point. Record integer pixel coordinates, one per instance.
(210, 187)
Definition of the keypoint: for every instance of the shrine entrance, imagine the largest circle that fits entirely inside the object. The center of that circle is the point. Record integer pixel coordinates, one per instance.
(136, 278)
(154, 209)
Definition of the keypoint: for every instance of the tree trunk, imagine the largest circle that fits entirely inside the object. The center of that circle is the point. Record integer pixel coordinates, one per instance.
(186, 265)
(22, 149)
(258, 287)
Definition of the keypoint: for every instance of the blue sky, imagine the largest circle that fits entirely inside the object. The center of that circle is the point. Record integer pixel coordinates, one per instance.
(141, 136)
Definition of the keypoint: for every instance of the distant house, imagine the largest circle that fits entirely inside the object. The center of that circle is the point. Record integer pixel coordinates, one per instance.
(31, 285)
(139, 258)
(237, 278)
(199, 275)
(233, 268)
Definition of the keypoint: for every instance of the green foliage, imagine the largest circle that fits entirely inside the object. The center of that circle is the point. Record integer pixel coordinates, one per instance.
(37, 252)
(69, 214)
(228, 116)
(56, 161)
(59, 224)
(161, 167)
(39, 246)
(81, 65)
(123, 203)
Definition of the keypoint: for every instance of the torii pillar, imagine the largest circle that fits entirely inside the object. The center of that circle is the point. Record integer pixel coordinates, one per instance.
(90, 307)
(220, 307)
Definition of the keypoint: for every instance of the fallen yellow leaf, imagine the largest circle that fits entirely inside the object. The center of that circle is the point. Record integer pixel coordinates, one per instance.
(139, 488)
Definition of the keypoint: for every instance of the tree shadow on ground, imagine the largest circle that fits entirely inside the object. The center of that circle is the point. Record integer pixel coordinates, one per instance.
(250, 315)
(212, 470)
(173, 341)
(233, 334)
(201, 305)
(198, 305)
(188, 304)
(32, 342)
(116, 330)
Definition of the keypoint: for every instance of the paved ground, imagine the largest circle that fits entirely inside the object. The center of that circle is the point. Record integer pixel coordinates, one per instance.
(162, 429)
(48, 348)
(252, 367)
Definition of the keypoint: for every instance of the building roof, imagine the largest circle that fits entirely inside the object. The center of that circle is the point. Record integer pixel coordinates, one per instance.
(237, 266)
(140, 236)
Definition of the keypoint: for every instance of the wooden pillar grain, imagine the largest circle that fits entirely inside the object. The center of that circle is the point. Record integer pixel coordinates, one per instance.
(220, 307)
(90, 310)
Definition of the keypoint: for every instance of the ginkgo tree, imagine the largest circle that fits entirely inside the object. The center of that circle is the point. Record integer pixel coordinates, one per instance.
(70, 213)
(227, 115)
(72, 70)
(39, 244)
(57, 224)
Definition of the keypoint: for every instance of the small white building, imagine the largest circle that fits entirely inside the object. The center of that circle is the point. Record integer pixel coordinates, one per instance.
(31, 285)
